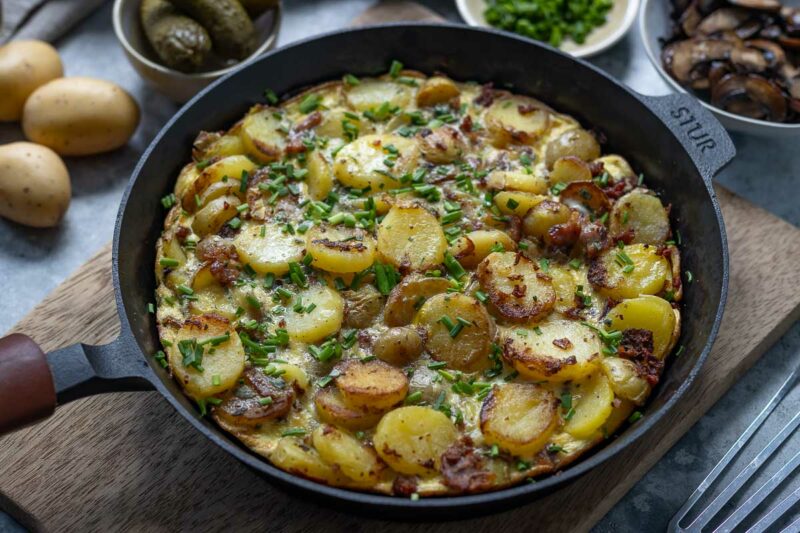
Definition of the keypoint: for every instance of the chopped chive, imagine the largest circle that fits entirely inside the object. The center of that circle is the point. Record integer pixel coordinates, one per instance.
(437, 365)
(575, 264)
(215, 380)
(395, 69)
(351, 80)
(512, 204)
(480, 295)
(413, 398)
(168, 262)
(689, 276)
(637, 415)
(235, 222)
(310, 103)
(151, 308)
(453, 266)
(293, 432)
(544, 263)
(271, 97)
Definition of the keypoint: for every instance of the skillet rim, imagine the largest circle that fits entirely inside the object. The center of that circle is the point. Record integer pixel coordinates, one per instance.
(496, 500)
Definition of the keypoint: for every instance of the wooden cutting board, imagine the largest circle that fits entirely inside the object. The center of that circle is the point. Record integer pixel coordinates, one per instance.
(127, 461)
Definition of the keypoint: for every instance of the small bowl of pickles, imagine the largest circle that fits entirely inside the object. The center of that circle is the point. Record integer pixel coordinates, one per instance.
(581, 28)
(180, 46)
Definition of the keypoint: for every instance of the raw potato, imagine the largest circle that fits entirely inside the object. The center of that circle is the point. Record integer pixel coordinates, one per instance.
(517, 181)
(517, 203)
(407, 297)
(80, 116)
(362, 163)
(473, 247)
(556, 350)
(227, 361)
(592, 400)
(519, 417)
(516, 288)
(437, 90)
(320, 176)
(411, 237)
(261, 134)
(372, 384)
(568, 169)
(625, 380)
(340, 249)
(398, 346)
(34, 185)
(516, 119)
(544, 216)
(649, 275)
(644, 214)
(212, 216)
(325, 319)
(651, 313)
(293, 456)
(24, 66)
(574, 142)
(469, 349)
(332, 408)
(371, 94)
(412, 439)
(271, 253)
(348, 454)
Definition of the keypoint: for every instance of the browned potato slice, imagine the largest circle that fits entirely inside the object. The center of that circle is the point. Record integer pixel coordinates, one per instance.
(398, 346)
(635, 270)
(355, 460)
(565, 285)
(517, 203)
(340, 249)
(544, 216)
(411, 237)
(617, 167)
(320, 176)
(292, 455)
(586, 197)
(441, 145)
(332, 408)
(519, 417)
(247, 405)
(220, 188)
(516, 289)
(267, 248)
(516, 119)
(372, 93)
(517, 181)
(213, 215)
(407, 298)
(362, 306)
(362, 163)
(209, 145)
(651, 313)
(473, 247)
(412, 439)
(446, 314)
(575, 142)
(436, 90)
(262, 136)
(225, 169)
(568, 169)
(372, 384)
(555, 350)
(625, 379)
(642, 213)
(592, 400)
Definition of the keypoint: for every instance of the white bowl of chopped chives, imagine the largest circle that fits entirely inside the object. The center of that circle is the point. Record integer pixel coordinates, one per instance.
(606, 30)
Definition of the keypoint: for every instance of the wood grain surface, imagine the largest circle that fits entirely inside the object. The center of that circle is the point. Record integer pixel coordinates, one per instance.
(128, 461)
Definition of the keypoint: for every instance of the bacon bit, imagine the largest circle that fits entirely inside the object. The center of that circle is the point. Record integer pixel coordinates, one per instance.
(543, 277)
(404, 485)
(617, 190)
(364, 339)
(564, 235)
(464, 470)
(626, 236)
(564, 344)
(637, 346)
(597, 168)
(526, 109)
(514, 228)
(182, 232)
(487, 95)
(594, 239)
(311, 121)
(519, 291)
(221, 257)
(466, 124)
(295, 145)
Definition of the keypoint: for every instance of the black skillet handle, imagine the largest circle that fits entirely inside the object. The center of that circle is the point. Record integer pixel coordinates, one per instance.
(32, 383)
(700, 133)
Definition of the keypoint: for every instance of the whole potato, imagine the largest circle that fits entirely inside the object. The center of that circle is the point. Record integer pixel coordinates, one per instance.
(24, 66)
(34, 185)
(80, 116)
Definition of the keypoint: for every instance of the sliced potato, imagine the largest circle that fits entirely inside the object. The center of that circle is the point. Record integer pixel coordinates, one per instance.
(586, 197)
(211, 297)
(469, 348)
(340, 249)
(223, 170)
(325, 319)
(647, 312)
(185, 181)
(348, 454)
(362, 163)
(519, 417)
(333, 409)
(442, 145)
(436, 90)
(271, 253)
(515, 180)
(473, 247)
(557, 349)
(222, 363)
(407, 298)
(215, 190)
(617, 167)
(565, 285)
(293, 375)
(573, 142)
(333, 120)
(516, 119)
(295, 457)
(592, 400)
(517, 203)
(262, 136)
(320, 176)
(398, 346)
(362, 306)
(625, 380)
(213, 215)
(544, 216)
(371, 384)
(410, 237)
(516, 289)
(635, 270)
(226, 145)
(642, 213)
(412, 439)
(372, 93)
(568, 169)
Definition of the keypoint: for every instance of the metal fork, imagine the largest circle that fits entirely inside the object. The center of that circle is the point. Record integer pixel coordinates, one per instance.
(757, 498)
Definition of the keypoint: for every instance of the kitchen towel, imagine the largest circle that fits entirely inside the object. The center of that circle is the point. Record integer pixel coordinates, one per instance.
(46, 20)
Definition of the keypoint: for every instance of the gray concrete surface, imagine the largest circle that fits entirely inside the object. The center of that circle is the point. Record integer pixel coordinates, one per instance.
(33, 262)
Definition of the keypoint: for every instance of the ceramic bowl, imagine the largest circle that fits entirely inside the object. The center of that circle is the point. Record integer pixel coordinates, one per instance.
(618, 21)
(179, 86)
(654, 25)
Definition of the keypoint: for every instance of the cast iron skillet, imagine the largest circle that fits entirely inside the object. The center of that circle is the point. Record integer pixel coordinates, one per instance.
(676, 143)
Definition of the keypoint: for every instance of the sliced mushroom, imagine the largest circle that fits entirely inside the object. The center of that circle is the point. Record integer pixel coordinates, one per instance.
(727, 18)
(688, 60)
(690, 19)
(789, 42)
(761, 5)
(750, 95)
(748, 59)
(772, 52)
(791, 19)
